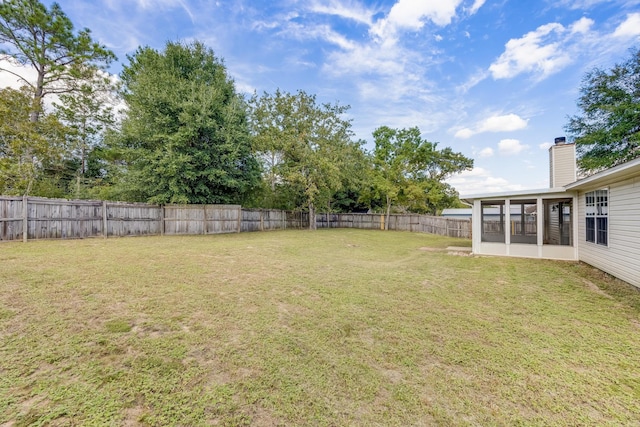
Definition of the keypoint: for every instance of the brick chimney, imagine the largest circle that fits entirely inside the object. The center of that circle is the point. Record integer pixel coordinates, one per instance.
(562, 163)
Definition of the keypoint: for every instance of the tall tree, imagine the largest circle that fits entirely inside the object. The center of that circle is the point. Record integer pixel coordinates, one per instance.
(27, 149)
(44, 39)
(409, 170)
(607, 130)
(305, 147)
(185, 135)
(88, 113)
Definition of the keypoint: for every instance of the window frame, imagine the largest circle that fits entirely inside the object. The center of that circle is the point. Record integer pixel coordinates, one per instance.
(492, 236)
(518, 227)
(597, 216)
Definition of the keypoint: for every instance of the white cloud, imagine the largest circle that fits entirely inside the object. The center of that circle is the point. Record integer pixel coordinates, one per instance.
(583, 4)
(166, 4)
(480, 181)
(486, 152)
(629, 28)
(364, 59)
(9, 78)
(344, 9)
(388, 64)
(472, 81)
(545, 145)
(511, 147)
(544, 51)
(504, 123)
(583, 25)
(336, 38)
(411, 15)
(321, 32)
(476, 5)
(464, 133)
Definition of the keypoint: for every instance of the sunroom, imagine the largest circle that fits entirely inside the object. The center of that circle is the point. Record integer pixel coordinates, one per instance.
(532, 224)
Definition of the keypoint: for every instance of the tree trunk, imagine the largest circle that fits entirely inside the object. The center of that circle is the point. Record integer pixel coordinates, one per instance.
(386, 225)
(34, 117)
(312, 217)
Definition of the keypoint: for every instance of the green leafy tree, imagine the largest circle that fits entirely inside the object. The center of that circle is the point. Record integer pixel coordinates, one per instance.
(305, 148)
(28, 150)
(44, 40)
(88, 113)
(410, 171)
(607, 130)
(185, 137)
(355, 173)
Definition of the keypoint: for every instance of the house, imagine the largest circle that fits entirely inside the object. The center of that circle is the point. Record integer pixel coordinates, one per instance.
(457, 213)
(466, 213)
(594, 219)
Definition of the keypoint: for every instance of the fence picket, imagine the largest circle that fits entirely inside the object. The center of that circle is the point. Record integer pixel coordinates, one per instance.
(41, 218)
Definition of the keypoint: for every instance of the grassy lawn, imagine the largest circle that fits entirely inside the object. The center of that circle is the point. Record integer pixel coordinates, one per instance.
(333, 327)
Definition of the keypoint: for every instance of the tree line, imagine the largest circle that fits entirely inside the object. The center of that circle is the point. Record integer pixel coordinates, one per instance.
(185, 134)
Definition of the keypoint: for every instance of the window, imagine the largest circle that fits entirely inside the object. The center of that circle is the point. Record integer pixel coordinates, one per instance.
(597, 215)
(523, 224)
(493, 221)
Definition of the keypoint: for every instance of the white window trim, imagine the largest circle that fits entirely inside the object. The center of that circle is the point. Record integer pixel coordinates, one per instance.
(596, 212)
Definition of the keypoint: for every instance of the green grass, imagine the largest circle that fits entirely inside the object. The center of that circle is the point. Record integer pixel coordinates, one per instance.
(326, 328)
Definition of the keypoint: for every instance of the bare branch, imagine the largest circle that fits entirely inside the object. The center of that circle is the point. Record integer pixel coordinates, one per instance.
(18, 76)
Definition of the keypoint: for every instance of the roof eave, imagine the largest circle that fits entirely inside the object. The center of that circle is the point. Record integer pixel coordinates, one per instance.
(522, 193)
(616, 173)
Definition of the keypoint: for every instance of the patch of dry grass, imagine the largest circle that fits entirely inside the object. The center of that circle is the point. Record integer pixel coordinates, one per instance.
(334, 327)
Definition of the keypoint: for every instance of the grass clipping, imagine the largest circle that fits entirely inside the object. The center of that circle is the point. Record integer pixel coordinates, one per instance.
(334, 327)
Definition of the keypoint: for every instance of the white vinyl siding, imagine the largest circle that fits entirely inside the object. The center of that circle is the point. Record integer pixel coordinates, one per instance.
(622, 255)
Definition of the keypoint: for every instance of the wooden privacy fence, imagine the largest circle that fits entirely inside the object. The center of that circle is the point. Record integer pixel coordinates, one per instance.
(450, 227)
(272, 219)
(39, 218)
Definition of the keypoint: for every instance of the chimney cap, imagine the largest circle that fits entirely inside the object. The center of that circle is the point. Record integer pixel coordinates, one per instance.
(560, 140)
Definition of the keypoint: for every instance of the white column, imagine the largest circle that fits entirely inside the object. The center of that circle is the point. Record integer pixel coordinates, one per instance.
(575, 238)
(540, 213)
(476, 226)
(507, 223)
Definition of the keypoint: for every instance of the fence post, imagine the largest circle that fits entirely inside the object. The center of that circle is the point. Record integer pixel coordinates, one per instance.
(162, 220)
(105, 227)
(239, 218)
(25, 218)
(204, 219)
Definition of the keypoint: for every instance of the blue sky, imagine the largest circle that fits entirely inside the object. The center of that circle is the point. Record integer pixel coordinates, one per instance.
(493, 79)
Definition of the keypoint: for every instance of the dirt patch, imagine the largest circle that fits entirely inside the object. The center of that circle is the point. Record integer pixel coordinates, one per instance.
(394, 376)
(451, 250)
(428, 249)
(133, 416)
(593, 287)
(459, 253)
